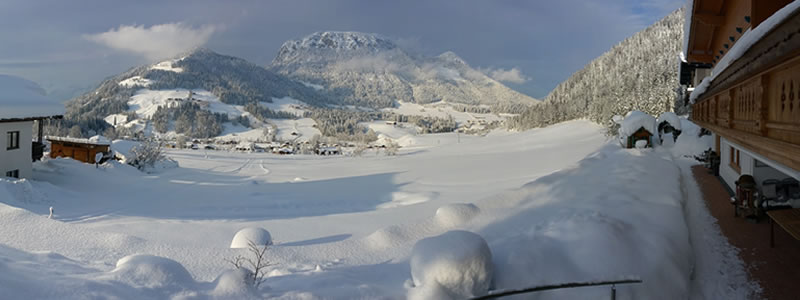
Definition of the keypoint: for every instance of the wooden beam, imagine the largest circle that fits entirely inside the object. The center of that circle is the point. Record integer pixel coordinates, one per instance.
(704, 58)
(709, 19)
(779, 151)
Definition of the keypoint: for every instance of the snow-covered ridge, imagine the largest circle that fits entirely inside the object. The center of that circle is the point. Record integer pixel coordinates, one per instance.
(168, 65)
(136, 81)
(337, 41)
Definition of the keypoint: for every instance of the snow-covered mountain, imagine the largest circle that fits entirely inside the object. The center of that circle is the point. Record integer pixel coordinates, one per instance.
(639, 73)
(369, 70)
(232, 80)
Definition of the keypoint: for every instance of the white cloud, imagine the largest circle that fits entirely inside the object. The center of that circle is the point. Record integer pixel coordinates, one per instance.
(157, 41)
(513, 75)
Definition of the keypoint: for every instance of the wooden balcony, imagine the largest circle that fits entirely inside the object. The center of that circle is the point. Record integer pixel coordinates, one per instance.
(755, 102)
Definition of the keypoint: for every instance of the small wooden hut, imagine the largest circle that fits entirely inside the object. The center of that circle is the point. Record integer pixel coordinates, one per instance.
(641, 134)
(84, 150)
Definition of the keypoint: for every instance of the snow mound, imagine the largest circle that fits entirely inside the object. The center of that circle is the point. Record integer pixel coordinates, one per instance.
(689, 143)
(641, 144)
(671, 118)
(234, 284)
(257, 235)
(122, 149)
(99, 140)
(456, 265)
(635, 120)
(148, 271)
(385, 238)
(456, 214)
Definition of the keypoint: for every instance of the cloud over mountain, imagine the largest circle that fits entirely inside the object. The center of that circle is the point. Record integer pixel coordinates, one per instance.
(513, 75)
(154, 42)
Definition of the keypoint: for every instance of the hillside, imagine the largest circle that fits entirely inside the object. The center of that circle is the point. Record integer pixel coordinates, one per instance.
(226, 79)
(368, 70)
(639, 73)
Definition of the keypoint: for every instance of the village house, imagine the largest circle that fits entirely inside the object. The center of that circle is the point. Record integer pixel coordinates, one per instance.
(23, 104)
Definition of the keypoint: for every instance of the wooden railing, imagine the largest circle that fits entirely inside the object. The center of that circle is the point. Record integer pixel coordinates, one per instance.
(761, 113)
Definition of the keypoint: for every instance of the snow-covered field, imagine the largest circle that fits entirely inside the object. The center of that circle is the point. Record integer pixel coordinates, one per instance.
(440, 110)
(557, 204)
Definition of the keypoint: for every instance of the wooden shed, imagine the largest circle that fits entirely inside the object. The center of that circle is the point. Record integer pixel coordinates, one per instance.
(84, 150)
(641, 134)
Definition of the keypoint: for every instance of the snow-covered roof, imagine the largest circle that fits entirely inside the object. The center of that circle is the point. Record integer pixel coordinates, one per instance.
(671, 118)
(635, 120)
(748, 39)
(23, 99)
(95, 140)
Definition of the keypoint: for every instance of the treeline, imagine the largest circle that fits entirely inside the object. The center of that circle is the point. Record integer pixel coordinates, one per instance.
(640, 73)
(263, 113)
(190, 120)
(428, 124)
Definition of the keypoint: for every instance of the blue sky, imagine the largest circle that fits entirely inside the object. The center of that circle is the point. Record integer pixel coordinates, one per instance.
(69, 46)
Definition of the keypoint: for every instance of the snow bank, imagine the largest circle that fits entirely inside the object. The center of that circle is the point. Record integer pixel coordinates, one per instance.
(22, 190)
(257, 235)
(22, 98)
(456, 214)
(689, 143)
(152, 272)
(671, 118)
(617, 214)
(454, 265)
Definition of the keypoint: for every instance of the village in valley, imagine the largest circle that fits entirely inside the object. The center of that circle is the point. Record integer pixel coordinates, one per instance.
(354, 165)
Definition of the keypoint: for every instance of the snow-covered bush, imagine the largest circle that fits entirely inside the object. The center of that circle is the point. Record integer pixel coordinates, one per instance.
(146, 154)
(392, 147)
(148, 271)
(257, 235)
(359, 149)
(454, 265)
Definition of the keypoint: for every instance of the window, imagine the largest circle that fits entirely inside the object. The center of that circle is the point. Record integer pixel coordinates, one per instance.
(12, 140)
(14, 174)
(734, 159)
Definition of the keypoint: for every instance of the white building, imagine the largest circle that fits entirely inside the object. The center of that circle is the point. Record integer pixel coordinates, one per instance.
(22, 102)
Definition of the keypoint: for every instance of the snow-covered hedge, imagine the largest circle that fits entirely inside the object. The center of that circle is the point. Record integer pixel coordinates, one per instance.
(454, 265)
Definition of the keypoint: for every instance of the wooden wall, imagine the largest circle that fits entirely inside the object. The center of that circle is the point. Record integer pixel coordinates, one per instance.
(80, 152)
(761, 113)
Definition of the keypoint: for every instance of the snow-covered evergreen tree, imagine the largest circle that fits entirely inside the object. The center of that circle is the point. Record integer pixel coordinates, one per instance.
(639, 73)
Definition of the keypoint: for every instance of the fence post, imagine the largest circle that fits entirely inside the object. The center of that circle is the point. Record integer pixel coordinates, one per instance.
(613, 292)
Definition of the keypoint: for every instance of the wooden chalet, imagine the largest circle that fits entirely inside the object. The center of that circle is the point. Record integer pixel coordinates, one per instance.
(748, 53)
(84, 150)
